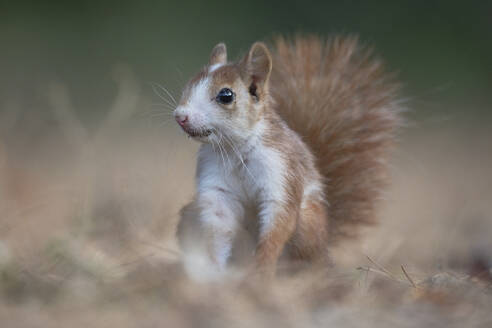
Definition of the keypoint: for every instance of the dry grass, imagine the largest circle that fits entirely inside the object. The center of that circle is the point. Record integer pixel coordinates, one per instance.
(88, 218)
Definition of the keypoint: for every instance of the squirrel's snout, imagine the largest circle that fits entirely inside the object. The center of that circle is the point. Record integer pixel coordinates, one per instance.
(181, 119)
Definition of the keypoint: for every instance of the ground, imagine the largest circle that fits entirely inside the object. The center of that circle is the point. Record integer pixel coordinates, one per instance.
(88, 218)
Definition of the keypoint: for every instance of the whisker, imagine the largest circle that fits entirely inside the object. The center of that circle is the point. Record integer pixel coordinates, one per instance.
(166, 106)
(225, 150)
(221, 155)
(165, 122)
(155, 88)
(222, 149)
(168, 93)
(162, 114)
(156, 113)
(181, 76)
(231, 143)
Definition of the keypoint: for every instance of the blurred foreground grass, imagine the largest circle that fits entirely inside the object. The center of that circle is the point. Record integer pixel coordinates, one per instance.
(88, 217)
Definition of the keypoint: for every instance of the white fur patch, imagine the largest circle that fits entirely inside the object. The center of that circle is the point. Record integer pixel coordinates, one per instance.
(268, 170)
(221, 211)
(199, 106)
(214, 67)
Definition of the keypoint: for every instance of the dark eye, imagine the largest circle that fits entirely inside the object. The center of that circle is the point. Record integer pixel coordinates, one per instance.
(225, 96)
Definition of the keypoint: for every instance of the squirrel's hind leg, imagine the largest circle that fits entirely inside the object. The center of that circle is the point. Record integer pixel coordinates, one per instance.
(310, 241)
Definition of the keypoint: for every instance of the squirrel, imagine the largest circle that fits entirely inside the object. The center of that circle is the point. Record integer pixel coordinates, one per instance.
(300, 134)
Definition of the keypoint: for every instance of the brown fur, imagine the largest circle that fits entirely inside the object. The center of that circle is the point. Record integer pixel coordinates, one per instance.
(343, 104)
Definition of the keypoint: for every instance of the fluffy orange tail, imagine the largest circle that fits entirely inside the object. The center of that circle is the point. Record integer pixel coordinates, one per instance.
(337, 96)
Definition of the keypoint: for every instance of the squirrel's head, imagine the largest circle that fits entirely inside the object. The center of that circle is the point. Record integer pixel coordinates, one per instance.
(226, 99)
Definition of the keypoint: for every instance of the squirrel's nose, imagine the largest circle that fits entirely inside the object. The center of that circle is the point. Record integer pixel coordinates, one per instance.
(182, 119)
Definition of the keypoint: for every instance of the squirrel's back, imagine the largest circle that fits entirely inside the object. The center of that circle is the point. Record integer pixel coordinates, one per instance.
(343, 104)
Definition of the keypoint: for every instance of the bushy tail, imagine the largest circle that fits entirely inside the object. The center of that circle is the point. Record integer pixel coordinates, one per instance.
(337, 96)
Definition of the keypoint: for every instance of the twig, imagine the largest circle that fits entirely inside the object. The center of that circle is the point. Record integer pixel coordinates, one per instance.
(369, 269)
(408, 277)
(380, 267)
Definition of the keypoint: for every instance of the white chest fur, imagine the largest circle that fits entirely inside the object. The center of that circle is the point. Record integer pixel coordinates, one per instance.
(254, 175)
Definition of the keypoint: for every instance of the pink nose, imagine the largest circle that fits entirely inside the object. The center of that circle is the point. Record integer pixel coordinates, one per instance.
(182, 119)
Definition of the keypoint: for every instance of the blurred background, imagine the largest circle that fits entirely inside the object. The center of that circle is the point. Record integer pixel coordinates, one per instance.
(441, 49)
(93, 169)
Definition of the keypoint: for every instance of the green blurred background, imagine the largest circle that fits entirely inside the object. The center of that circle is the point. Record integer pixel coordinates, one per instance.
(442, 50)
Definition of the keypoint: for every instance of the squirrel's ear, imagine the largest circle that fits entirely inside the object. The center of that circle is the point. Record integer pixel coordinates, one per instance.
(218, 55)
(256, 67)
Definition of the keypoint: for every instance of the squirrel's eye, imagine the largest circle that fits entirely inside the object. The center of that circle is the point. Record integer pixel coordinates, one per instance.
(225, 96)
